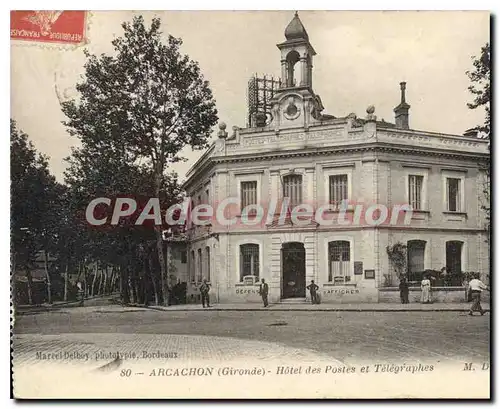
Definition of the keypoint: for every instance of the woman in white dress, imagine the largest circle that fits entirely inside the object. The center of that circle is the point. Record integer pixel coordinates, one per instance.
(425, 285)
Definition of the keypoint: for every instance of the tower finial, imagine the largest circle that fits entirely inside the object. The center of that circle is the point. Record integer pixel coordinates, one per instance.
(296, 13)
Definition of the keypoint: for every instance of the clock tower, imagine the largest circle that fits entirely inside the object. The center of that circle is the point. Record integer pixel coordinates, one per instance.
(296, 104)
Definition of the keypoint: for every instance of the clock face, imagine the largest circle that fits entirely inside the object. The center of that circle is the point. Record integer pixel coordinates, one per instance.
(291, 109)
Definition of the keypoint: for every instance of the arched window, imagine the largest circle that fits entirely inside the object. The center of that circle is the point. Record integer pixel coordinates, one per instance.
(207, 255)
(415, 250)
(454, 257)
(292, 189)
(192, 268)
(200, 267)
(291, 60)
(339, 261)
(249, 260)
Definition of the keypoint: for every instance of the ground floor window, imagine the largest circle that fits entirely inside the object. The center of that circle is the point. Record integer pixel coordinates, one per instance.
(200, 266)
(454, 257)
(249, 260)
(207, 255)
(339, 262)
(416, 259)
(192, 268)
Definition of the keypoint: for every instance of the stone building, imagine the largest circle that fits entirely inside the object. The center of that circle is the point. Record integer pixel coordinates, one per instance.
(294, 151)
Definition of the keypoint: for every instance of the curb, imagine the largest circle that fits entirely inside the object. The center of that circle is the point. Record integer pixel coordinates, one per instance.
(315, 310)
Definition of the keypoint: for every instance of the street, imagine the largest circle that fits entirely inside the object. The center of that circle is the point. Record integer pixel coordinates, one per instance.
(346, 337)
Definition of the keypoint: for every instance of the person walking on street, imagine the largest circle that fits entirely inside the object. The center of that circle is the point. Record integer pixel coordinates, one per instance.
(313, 288)
(404, 291)
(204, 290)
(476, 286)
(264, 291)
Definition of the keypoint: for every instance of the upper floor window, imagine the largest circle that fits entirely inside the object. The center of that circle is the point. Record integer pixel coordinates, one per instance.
(249, 260)
(183, 257)
(454, 194)
(339, 261)
(207, 195)
(415, 186)
(338, 188)
(248, 193)
(292, 189)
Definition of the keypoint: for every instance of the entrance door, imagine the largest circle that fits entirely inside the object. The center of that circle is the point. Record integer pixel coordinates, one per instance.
(293, 270)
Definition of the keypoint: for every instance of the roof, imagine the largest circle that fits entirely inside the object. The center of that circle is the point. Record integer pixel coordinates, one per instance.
(296, 30)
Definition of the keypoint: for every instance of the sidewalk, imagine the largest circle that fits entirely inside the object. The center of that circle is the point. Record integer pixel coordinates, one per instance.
(459, 307)
(107, 299)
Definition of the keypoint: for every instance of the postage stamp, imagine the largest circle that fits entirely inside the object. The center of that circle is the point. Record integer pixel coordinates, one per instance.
(181, 228)
(48, 26)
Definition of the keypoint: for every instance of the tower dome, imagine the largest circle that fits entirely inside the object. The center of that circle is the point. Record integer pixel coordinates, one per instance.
(295, 29)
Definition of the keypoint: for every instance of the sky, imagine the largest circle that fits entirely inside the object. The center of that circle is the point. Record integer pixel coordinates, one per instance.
(361, 59)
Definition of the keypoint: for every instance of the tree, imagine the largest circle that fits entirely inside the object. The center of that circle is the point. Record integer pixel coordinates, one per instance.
(147, 100)
(397, 254)
(34, 208)
(481, 89)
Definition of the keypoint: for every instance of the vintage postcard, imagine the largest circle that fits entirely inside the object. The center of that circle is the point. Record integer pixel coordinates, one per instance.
(250, 204)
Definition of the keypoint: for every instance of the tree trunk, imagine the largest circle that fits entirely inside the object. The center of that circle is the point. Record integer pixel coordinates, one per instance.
(94, 280)
(29, 278)
(13, 277)
(124, 286)
(163, 267)
(159, 240)
(120, 278)
(104, 276)
(66, 281)
(85, 288)
(109, 284)
(47, 275)
(152, 277)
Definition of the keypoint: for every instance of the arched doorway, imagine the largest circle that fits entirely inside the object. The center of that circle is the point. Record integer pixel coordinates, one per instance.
(293, 270)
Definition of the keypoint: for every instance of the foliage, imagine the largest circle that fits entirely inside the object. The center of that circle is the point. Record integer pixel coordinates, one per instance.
(398, 258)
(36, 203)
(481, 89)
(137, 110)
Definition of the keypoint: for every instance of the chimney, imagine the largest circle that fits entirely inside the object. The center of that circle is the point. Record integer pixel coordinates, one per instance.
(401, 111)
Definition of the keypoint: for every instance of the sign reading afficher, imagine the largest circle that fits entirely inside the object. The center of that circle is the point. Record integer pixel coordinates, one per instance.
(48, 26)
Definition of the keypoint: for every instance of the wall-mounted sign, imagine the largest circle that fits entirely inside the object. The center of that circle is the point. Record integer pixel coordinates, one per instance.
(338, 279)
(370, 274)
(358, 268)
(247, 291)
(249, 280)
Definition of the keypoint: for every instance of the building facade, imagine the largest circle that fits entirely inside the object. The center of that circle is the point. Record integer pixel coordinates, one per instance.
(293, 152)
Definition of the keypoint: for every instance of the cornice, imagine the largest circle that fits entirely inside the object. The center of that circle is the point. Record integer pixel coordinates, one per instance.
(373, 147)
(376, 147)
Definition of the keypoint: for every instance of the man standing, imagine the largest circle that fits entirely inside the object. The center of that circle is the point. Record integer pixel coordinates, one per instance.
(264, 291)
(313, 288)
(476, 286)
(204, 290)
(81, 293)
(404, 291)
